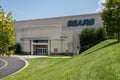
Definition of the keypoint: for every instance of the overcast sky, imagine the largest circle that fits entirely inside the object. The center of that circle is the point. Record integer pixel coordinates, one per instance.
(37, 9)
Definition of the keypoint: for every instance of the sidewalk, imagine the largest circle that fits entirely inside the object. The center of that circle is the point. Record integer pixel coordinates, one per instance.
(38, 56)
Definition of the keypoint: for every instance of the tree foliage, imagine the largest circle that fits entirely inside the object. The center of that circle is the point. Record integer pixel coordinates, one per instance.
(111, 16)
(91, 36)
(6, 33)
(101, 34)
(87, 36)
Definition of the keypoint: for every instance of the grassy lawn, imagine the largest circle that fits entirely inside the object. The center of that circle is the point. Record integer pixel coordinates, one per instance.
(101, 62)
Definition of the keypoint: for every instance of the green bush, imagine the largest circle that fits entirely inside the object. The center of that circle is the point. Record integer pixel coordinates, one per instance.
(61, 54)
(91, 36)
(83, 48)
(18, 48)
(87, 36)
(101, 34)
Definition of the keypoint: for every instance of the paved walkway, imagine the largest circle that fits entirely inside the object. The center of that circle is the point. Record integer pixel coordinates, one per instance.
(37, 56)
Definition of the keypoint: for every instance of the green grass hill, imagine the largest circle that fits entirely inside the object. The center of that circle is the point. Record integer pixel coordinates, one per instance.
(101, 62)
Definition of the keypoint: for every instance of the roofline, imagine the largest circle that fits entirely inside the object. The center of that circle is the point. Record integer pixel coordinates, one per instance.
(57, 17)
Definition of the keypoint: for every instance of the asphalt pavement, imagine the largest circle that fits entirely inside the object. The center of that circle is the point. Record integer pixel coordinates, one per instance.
(2, 63)
(9, 65)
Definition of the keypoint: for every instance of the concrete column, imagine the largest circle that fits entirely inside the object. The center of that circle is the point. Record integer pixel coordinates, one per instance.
(49, 47)
(61, 46)
(31, 47)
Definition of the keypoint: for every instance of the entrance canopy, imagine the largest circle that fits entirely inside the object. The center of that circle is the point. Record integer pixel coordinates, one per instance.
(36, 38)
(43, 38)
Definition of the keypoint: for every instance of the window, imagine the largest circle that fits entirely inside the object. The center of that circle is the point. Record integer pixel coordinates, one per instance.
(40, 41)
(55, 50)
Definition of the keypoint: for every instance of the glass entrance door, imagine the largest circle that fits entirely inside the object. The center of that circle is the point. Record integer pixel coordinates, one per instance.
(42, 51)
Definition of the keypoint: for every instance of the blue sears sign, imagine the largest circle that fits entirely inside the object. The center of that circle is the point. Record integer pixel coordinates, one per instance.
(85, 22)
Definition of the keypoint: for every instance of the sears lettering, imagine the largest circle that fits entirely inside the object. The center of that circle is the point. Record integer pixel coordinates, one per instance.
(85, 22)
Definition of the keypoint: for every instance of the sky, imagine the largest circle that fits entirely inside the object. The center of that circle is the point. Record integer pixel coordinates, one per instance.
(38, 9)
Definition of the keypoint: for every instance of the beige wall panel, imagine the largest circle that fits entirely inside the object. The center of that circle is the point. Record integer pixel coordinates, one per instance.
(26, 47)
(64, 46)
(67, 43)
(55, 44)
(18, 36)
(42, 32)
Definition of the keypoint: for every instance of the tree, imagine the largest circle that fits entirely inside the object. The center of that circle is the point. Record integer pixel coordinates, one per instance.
(7, 34)
(111, 17)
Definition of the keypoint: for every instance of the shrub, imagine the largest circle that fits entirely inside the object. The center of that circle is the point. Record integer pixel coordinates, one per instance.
(87, 36)
(83, 48)
(91, 36)
(17, 48)
(101, 34)
(61, 54)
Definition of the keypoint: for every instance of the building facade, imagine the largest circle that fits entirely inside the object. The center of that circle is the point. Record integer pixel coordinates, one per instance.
(54, 35)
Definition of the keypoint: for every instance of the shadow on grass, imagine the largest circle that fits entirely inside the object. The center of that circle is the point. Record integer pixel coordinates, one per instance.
(102, 47)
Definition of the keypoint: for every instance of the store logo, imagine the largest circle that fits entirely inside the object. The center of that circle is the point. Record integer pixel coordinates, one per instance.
(85, 22)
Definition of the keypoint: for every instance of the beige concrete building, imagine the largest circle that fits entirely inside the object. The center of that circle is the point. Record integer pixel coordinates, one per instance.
(54, 35)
